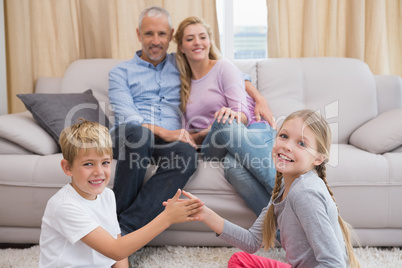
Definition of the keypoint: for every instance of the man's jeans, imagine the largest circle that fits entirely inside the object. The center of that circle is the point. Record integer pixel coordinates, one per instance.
(247, 159)
(135, 147)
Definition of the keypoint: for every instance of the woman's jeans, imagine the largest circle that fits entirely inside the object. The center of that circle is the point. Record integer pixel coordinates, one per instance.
(247, 159)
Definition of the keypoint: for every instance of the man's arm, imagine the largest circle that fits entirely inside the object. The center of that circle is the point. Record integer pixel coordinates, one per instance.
(261, 105)
(121, 99)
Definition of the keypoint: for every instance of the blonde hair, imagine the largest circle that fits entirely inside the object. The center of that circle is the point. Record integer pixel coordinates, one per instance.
(85, 135)
(182, 63)
(322, 134)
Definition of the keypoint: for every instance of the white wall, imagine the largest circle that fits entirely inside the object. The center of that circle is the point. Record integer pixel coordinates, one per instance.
(3, 75)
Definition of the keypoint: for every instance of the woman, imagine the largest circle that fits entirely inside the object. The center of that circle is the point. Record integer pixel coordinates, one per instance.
(221, 115)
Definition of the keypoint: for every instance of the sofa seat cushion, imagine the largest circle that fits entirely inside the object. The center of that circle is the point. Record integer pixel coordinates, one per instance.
(365, 187)
(394, 190)
(381, 134)
(54, 112)
(23, 131)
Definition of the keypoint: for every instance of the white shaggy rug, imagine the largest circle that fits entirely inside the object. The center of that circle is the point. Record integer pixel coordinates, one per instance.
(199, 257)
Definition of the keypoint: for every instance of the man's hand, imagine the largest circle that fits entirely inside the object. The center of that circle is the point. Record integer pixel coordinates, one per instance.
(179, 135)
(171, 135)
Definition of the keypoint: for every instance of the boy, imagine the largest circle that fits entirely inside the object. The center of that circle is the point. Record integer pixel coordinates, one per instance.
(79, 226)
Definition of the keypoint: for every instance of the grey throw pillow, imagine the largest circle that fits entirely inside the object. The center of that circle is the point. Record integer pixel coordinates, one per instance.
(381, 134)
(54, 112)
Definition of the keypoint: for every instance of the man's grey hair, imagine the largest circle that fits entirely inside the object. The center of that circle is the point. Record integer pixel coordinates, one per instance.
(154, 11)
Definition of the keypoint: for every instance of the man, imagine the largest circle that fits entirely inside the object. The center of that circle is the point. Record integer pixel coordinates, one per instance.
(145, 95)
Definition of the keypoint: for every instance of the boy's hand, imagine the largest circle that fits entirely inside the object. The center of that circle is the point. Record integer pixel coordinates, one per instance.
(200, 214)
(179, 210)
(203, 213)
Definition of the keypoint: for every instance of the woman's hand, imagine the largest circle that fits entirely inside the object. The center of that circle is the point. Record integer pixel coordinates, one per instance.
(226, 113)
(262, 110)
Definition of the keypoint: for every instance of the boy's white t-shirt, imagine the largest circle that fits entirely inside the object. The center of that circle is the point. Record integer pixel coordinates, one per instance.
(69, 217)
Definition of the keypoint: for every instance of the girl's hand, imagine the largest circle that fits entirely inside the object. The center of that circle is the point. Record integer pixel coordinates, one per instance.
(226, 113)
(208, 216)
(199, 214)
(179, 210)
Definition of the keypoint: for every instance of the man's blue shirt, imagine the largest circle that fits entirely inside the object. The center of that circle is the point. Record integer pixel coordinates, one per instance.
(144, 94)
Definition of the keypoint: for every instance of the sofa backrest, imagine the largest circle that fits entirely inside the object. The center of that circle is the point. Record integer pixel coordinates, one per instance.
(90, 74)
(343, 89)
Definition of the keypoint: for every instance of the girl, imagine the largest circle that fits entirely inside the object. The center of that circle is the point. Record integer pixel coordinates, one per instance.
(302, 207)
(213, 88)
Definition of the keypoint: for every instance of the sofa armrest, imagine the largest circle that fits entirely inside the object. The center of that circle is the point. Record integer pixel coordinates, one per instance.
(9, 147)
(48, 84)
(389, 92)
(23, 130)
(381, 134)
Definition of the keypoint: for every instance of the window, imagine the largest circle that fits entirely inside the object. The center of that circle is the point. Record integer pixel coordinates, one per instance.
(242, 28)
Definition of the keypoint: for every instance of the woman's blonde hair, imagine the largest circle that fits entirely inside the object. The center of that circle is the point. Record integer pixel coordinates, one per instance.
(85, 135)
(322, 134)
(182, 63)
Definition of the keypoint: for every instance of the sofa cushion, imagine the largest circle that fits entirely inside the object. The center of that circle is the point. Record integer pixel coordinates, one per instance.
(337, 87)
(381, 134)
(54, 112)
(9, 147)
(397, 150)
(24, 135)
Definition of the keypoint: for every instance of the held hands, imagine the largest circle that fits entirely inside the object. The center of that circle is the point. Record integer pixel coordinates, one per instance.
(226, 113)
(199, 215)
(180, 210)
(204, 214)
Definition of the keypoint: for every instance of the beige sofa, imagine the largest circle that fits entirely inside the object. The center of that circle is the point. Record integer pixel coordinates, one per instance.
(365, 170)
